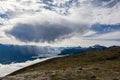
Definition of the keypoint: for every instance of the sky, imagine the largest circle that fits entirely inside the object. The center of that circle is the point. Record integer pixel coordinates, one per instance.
(60, 22)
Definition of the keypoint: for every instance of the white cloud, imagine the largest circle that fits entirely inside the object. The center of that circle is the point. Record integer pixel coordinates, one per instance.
(110, 36)
(6, 69)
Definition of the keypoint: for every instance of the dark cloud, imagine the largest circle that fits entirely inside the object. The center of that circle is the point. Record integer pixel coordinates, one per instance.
(3, 15)
(46, 32)
(113, 3)
(104, 28)
(109, 3)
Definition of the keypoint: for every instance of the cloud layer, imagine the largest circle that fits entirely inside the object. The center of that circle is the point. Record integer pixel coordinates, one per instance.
(54, 20)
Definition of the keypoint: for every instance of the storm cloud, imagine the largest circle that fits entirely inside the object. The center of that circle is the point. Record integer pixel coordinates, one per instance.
(46, 32)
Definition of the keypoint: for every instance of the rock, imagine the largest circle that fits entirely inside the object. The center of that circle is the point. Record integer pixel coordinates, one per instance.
(93, 77)
(96, 68)
(80, 69)
(0, 78)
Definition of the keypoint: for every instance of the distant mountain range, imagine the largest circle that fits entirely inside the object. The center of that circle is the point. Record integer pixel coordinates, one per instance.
(17, 53)
(76, 50)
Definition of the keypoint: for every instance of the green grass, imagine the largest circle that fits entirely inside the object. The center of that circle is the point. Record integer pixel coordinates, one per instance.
(96, 65)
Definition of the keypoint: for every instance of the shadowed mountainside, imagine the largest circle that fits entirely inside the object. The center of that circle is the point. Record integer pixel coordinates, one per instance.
(94, 65)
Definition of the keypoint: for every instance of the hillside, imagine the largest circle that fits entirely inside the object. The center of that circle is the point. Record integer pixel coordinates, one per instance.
(96, 65)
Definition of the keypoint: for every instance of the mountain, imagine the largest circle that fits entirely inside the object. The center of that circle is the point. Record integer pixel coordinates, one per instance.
(95, 65)
(76, 50)
(17, 53)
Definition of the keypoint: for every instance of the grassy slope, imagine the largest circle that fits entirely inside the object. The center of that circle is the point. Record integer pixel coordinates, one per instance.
(97, 65)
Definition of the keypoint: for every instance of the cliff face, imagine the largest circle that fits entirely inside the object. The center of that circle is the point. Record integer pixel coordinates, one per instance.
(96, 65)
